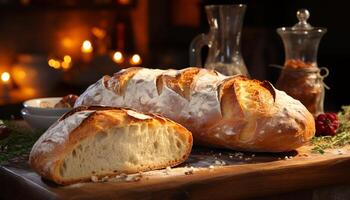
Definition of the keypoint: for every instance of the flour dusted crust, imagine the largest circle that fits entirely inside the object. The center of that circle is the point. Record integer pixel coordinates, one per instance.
(221, 111)
(88, 125)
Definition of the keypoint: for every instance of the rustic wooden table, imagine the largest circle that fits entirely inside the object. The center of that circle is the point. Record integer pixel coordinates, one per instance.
(215, 174)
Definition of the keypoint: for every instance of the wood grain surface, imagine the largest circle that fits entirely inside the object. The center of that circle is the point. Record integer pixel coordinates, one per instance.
(208, 174)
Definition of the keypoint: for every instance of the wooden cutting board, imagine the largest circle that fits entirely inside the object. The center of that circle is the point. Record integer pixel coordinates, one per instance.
(207, 174)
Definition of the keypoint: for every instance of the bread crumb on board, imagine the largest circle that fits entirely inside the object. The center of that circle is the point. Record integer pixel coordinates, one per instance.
(104, 179)
(133, 178)
(288, 157)
(190, 171)
(94, 179)
(121, 176)
(167, 170)
(130, 177)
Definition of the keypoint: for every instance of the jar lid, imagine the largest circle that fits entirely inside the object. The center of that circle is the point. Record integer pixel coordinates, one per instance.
(302, 27)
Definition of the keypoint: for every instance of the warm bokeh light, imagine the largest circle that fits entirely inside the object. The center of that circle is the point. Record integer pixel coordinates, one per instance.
(86, 47)
(135, 59)
(65, 65)
(118, 57)
(5, 77)
(98, 32)
(67, 59)
(54, 63)
(67, 42)
(51, 62)
(18, 74)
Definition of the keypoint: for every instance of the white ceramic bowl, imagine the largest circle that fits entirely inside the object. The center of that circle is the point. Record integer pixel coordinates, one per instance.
(33, 107)
(39, 122)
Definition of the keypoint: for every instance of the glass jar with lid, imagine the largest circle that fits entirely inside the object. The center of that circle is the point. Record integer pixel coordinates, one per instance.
(301, 77)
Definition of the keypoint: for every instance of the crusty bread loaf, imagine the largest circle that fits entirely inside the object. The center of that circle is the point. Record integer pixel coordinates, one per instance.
(228, 112)
(100, 141)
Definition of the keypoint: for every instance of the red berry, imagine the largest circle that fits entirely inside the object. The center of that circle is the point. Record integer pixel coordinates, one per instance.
(332, 116)
(327, 124)
(321, 117)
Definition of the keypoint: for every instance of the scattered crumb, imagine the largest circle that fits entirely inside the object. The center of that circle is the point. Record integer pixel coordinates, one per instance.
(138, 177)
(288, 157)
(94, 179)
(211, 167)
(217, 162)
(253, 155)
(239, 154)
(121, 176)
(190, 171)
(104, 179)
(230, 156)
(247, 159)
(167, 169)
(129, 178)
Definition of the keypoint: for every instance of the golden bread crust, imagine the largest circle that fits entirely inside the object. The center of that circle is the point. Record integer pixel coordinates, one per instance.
(227, 112)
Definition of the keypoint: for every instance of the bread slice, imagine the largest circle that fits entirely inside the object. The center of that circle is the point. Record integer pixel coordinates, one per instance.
(100, 141)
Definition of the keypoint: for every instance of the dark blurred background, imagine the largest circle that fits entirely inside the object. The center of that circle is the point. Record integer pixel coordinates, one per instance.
(56, 47)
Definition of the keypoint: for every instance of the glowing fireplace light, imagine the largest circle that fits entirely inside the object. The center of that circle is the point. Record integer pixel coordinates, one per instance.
(86, 47)
(5, 77)
(118, 57)
(135, 60)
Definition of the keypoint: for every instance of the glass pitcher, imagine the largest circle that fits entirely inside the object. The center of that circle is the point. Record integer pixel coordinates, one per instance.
(223, 40)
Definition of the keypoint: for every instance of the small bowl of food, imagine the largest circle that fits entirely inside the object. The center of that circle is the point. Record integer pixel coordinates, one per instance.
(51, 106)
(39, 122)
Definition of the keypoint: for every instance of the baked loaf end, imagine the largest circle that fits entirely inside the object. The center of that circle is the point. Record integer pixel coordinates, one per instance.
(257, 117)
(228, 112)
(100, 141)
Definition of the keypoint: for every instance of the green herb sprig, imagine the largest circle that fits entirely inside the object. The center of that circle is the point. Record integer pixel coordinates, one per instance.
(18, 144)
